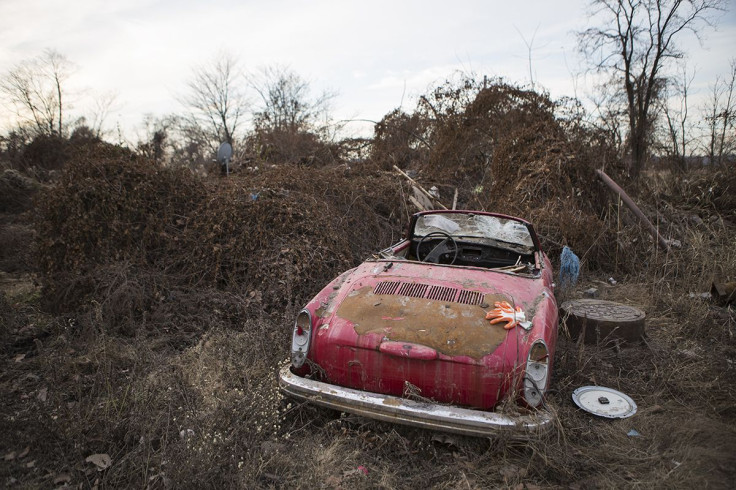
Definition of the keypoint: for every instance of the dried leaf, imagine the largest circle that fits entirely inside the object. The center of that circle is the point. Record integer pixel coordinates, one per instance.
(42, 394)
(62, 478)
(31, 464)
(102, 461)
(10, 456)
(19, 357)
(24, 452)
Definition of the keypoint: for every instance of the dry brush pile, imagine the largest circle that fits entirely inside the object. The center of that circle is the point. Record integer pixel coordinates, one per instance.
(127, 236)
(510, 150)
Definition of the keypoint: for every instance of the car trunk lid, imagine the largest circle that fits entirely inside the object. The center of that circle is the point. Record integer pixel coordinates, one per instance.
(393, 333)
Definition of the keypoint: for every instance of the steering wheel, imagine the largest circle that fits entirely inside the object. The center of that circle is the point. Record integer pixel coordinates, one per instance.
(442, 248)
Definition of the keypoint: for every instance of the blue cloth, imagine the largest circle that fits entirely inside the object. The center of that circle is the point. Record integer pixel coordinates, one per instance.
(569, 268)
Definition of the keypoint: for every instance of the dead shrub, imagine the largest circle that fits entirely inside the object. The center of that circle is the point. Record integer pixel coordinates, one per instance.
(510, 150)
(16, 248)
(292, 146)
(126, 233)
(46, 152)
(706, 189)
(16, 191)
(111, 209)
(399, 139)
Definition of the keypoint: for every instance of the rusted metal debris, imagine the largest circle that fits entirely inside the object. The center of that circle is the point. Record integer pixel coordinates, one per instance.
(599, 321)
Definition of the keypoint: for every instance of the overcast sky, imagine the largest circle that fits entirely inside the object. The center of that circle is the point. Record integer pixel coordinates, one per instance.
(376, 55)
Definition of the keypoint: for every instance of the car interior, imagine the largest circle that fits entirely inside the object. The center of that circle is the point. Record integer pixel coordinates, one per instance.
(443, 248)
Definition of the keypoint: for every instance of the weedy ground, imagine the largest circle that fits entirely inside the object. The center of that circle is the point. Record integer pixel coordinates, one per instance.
(150, 361)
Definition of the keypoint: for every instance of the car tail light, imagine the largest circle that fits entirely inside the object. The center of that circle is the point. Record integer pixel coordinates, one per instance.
(537, 374)
(300, 338)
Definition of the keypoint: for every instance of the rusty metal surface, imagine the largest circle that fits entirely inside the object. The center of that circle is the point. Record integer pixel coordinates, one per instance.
(599, 321)
(598, 309)
(453, 329)
(419, 414)
(393, 323)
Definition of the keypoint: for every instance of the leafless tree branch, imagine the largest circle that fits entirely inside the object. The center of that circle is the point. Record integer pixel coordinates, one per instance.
(35, 88)
(635, 42)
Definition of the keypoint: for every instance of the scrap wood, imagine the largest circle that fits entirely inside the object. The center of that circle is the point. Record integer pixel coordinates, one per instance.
(512, 268)
(420, 188)
(416, 203)
(634, 208)
(424, 201)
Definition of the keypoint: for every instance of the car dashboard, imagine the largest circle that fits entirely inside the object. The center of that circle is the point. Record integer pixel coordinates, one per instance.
(473, 252)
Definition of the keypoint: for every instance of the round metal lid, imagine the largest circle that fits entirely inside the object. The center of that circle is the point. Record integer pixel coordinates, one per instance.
(599, 309)
(604, 402)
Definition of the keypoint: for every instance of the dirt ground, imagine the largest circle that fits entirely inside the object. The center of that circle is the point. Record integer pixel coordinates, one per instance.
(84, 406)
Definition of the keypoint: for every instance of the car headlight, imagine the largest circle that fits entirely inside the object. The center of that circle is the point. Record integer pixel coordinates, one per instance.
(300, 338)
(537, 373)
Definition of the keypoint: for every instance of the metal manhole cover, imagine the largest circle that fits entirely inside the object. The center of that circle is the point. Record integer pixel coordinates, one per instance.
(604, 402)
(598, 309)
(601, 321)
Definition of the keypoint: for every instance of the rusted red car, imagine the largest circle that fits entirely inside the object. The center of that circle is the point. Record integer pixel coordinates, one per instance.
(453, 328)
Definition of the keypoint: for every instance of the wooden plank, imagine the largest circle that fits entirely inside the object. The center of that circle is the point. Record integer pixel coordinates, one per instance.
(421, 189)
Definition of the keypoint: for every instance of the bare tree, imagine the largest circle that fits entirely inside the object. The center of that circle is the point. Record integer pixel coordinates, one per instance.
(101, 107)
(286, 101)
(290, 124)
(156, 137)
(610, 114)
(36, 89)
(529, 47)
(721, 116)
(216, 99)
(635, 42)
(675, 110)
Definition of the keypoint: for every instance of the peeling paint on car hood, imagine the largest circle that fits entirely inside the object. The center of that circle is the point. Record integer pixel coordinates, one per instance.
(450, 328)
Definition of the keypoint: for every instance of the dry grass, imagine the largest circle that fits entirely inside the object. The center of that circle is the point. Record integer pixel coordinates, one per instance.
(162, 346)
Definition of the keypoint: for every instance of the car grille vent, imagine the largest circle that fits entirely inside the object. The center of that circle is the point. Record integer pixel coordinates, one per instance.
(414, 290)
(439, 293)
(442, 293)
(386, 287)
(470, 297)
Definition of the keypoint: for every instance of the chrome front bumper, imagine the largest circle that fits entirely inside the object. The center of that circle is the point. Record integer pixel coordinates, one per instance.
(419, 414)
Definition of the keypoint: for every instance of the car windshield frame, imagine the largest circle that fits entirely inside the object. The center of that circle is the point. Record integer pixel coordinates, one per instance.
(498, 228)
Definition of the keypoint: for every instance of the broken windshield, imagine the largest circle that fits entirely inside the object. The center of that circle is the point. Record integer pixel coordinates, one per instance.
(475, 226)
